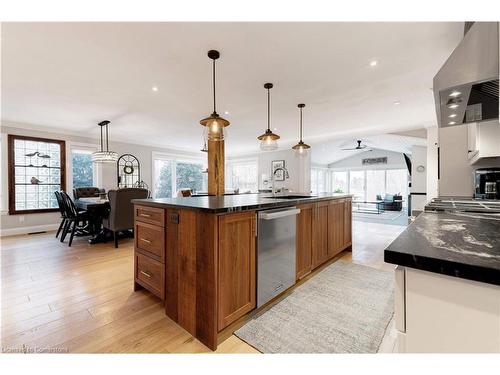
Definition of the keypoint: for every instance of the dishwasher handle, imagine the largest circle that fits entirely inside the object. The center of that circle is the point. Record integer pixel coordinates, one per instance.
(278, 214)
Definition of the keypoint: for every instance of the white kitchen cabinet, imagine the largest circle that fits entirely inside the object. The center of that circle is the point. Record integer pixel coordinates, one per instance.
(444, 314)
(456, 177)
(483, 140)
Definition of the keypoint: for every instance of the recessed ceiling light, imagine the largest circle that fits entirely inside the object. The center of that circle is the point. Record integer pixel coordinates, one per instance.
(275, 129)
(397, 103)
(154, 88)
(373, 63)
(454, 94)
(226, 112)
(452, 123)
(452, 115)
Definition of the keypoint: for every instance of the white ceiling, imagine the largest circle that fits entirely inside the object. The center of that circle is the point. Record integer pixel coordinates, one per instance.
(73, 75)
(331, 151)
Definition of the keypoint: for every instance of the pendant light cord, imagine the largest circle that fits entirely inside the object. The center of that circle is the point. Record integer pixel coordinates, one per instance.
(107, 138)
(301, 124)
(101, 139)
(268, 110)
(213, 71)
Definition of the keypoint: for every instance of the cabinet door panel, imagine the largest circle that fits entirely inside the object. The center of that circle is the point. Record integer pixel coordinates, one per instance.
(320, 234)
(304, 240)
(348, 223)
(237, 272)
(335, 227)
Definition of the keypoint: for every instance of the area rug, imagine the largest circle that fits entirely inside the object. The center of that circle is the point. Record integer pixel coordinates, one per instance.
(346, 308)
(387, 215)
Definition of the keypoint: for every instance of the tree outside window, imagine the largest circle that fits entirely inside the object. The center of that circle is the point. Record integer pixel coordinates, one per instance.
(83, 169)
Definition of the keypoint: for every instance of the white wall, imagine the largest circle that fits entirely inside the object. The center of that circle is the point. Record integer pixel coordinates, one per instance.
(432, 163)
(298, 168)
(16, 224)
(418, 179)
(395, 160)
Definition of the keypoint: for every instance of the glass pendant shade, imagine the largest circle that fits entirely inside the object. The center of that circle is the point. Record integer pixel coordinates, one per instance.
(301, 149)
(214, 124)
(104, 155)
(268, 140)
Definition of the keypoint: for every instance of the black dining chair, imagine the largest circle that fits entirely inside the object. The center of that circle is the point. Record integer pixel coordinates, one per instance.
(75, 219)
(62, 210)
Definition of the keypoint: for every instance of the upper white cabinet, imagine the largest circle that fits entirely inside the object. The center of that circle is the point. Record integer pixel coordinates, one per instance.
(483, 140)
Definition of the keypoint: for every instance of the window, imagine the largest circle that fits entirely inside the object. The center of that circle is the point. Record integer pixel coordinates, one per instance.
(357, 184)
(375, 184)
(397, 181)
(339, 182)
(36, 170)
(172, 173)
(242, 175)
(190, 176)
(319, 180)
(82, 168)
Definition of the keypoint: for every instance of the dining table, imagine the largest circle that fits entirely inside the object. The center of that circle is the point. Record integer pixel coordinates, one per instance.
(97, 209)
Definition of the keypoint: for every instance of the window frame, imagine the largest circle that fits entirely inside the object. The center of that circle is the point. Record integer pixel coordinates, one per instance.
(173, 159)
(230, 163)
(11, 172)
(88, 147)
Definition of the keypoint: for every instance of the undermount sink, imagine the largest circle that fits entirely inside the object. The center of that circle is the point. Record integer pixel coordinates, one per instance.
(292, 196)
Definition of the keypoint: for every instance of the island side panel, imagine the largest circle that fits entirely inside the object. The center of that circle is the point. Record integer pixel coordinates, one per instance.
(206, 279)
(186, 268)
(171, 267)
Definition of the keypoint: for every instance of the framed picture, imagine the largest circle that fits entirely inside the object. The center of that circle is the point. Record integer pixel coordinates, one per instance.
(278, 164)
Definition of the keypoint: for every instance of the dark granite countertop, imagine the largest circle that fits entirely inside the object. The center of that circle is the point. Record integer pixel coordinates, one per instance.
(234, 203)
(460, 244)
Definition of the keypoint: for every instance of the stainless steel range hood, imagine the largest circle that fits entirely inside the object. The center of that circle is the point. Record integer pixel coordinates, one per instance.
(466, 87)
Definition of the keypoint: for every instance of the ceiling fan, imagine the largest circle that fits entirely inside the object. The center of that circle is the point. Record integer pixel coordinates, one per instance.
(358, 147)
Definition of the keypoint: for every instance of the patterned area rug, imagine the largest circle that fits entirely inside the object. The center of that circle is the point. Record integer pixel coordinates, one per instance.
(346, 308)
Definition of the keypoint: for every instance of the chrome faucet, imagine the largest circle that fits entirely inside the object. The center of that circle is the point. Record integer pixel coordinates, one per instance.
(273, 177)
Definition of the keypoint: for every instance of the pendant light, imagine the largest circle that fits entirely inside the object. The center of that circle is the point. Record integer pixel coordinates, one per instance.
(214, 123)
(301, 149)
(268, 140)
(104, 156)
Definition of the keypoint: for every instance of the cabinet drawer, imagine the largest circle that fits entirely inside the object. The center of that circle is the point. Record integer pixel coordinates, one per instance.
(150, 215)
(150, 274)
(151, 239)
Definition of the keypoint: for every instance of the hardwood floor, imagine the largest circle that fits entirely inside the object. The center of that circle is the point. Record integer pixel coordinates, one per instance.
(80, 299)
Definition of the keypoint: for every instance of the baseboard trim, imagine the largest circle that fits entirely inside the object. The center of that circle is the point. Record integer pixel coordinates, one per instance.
(26, 230)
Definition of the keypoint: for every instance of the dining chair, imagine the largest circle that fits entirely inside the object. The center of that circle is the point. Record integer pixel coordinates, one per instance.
(121, 213)
(73, 218)
(60, 204)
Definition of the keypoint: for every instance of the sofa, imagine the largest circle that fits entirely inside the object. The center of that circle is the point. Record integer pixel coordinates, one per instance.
(390, 202)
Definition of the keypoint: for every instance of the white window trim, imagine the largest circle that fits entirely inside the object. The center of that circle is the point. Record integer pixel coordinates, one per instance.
(70, 147)
(4, 170)
(229, 183)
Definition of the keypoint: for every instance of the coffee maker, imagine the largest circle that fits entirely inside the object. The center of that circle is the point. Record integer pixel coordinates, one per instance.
(487, 183)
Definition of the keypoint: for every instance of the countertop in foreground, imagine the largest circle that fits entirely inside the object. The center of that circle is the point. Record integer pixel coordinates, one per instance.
(234, 203)
(465, 245)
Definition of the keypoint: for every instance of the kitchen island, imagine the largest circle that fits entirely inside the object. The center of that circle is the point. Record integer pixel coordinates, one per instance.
(448, 282)
(198, 254)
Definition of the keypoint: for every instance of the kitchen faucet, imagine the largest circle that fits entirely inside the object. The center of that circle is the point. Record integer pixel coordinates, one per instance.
(273, 177)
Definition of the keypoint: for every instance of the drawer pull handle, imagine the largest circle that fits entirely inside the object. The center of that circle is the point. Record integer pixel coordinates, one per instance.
(145, 240)
(146, 274)
(145, 215)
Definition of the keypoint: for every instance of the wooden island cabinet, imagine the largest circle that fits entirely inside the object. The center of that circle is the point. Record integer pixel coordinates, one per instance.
(200, 256)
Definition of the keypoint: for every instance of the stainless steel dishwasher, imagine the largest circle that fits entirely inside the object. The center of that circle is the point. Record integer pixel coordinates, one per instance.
(276, 252)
